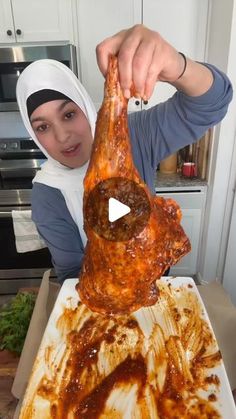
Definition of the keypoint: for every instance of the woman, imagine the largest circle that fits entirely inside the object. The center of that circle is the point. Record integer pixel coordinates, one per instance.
(60, 117)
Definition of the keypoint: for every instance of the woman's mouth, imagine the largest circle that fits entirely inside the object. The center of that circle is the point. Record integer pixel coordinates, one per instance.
(71, 151)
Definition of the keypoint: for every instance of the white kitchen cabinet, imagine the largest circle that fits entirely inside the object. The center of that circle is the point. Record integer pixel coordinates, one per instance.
(96, 23)
(183, 23)
(7, 30)
(35, 21)
(192, 204)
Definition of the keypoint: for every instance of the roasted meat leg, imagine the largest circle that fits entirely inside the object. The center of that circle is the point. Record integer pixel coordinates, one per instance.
(119, 276)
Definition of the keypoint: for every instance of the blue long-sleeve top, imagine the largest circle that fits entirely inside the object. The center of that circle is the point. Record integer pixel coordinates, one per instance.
(155, 133)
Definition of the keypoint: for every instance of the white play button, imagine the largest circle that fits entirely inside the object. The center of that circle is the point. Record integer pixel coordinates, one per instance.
(116, 209)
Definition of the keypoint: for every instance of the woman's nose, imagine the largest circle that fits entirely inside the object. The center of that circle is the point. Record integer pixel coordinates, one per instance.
(61, 135)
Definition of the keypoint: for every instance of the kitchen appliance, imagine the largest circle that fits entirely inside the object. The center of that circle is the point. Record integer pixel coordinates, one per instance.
(20, 158)
(13, 60)
(19, 161)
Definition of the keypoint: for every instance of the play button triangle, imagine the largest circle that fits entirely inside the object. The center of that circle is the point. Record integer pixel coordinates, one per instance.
(116, 209)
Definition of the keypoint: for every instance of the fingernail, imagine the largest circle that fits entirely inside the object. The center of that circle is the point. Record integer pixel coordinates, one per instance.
(127, 93)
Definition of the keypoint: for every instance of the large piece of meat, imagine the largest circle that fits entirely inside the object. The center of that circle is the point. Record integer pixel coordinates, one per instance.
(119, 276)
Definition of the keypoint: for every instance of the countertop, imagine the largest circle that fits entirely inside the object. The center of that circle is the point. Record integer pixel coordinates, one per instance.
(177, 181)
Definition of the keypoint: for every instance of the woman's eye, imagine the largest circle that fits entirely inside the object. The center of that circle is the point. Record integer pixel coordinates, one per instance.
(42, 128)
(69, 115)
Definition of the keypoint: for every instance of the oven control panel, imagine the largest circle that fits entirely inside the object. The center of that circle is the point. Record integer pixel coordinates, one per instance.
(7, 145)
(17, 145)
(19, 148)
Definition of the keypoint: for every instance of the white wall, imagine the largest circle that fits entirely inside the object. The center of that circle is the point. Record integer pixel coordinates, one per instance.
(222, 52)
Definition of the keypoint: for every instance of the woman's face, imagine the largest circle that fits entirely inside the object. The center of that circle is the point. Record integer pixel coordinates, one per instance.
(64, 131)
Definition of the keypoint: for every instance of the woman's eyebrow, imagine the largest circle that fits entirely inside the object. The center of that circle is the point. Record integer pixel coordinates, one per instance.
(60, 108)
(39, 118)
(63, 104)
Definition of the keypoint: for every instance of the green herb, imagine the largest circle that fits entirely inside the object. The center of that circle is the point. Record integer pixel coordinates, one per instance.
(14, 321)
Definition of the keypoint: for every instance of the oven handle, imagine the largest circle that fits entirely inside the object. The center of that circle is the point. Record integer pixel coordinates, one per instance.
(4, 214)
(8, 213)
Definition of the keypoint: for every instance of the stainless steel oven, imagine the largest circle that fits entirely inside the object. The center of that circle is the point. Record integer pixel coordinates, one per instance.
(19, 161)
(13, 60)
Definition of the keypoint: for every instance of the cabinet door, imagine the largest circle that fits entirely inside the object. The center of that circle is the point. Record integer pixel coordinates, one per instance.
(7, 33)
(183, 24)
(95, 23)
(192, 207)
(191, 223)
(45, 20)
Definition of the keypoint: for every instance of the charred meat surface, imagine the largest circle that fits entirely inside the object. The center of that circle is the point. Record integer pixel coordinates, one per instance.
(119, 276)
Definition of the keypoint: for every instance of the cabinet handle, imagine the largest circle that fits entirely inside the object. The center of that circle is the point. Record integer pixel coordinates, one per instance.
(18, 32)
(9, 32)
(137, 102)
(145, 102)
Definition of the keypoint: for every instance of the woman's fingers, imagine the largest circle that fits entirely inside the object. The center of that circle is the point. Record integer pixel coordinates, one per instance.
(106, 48)
(124, 44)
(143, 56)
(142, 62)
(154, 70)
(125, 56)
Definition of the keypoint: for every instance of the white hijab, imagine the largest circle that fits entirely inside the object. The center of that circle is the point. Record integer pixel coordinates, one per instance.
(51, 74)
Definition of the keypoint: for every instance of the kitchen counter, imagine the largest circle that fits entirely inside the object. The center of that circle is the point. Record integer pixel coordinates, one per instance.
(165, 181)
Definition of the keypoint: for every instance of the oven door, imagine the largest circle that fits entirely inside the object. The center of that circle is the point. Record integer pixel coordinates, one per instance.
(18, 270)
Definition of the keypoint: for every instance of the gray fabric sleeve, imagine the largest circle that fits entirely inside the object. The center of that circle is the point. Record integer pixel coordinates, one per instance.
(58, 229)
(170, 126)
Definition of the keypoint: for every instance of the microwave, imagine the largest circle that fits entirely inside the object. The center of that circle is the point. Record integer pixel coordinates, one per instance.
(14, 59)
